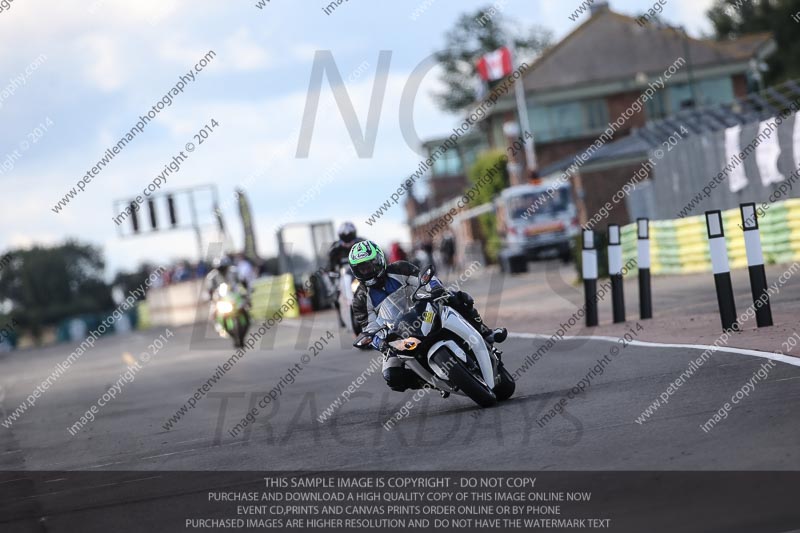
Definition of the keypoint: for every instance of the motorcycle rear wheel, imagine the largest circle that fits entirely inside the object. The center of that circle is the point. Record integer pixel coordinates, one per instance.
(356, 327)
(463, 378)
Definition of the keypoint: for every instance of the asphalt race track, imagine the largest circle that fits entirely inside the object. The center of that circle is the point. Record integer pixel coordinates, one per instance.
(597, 430)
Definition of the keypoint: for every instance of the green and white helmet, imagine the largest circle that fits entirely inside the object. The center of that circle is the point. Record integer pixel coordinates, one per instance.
(367, 262)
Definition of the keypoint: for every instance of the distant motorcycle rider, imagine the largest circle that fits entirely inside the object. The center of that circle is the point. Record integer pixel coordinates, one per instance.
(378, 281)
(224, 271)
(337, 257)
(339, 251)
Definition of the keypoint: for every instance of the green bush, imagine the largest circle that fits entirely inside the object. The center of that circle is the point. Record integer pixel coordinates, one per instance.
(486, 190)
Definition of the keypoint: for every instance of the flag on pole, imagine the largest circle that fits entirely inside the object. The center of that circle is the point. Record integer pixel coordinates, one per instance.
(247, 223)
(495, 65)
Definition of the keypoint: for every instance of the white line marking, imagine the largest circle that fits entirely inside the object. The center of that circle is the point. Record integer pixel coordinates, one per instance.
(794, 361)
(108, 464)
(784, 379)
(14, 480)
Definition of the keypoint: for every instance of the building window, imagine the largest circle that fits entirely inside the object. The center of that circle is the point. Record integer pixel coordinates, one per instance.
(656, 107)
(680, 96)
(709, 91)
(448, 164)
(568, 120)
(715, 91)
(598, 114)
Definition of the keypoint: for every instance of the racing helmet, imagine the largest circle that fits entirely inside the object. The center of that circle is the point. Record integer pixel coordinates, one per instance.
(367, 262)
(347, 232)
(222, 264)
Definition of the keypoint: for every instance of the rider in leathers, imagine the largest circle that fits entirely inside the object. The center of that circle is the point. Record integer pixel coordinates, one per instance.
(379, 280)
(337, 257)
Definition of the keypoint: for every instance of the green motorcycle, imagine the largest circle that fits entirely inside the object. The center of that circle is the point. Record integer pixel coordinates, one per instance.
(231, 315)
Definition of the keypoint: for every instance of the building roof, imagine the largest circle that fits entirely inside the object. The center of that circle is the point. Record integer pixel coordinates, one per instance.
(755, 107)
(610, 46)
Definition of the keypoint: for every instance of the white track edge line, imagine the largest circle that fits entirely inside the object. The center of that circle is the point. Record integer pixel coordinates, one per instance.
(794, 361)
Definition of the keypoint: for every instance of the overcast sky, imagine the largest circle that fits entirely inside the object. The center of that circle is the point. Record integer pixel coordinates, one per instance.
(105, 62)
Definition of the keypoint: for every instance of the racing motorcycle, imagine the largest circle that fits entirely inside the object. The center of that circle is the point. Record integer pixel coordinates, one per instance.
(439, 345)
(346, 286)
(231, 315)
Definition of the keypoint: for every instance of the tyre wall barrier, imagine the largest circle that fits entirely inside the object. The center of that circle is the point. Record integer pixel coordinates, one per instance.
(183, 303)
(680, 246)
(272, 293)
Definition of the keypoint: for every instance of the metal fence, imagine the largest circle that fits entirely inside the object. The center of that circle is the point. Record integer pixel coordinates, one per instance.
(680, 176)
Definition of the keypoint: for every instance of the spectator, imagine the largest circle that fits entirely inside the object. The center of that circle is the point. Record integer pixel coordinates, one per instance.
(245, 268)
(427, 249)
(396, 253)
(447, 250)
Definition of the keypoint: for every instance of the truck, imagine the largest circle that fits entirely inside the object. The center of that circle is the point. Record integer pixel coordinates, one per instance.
(536, 221)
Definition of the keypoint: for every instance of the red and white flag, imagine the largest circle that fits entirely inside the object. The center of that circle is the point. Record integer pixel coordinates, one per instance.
(495, 65)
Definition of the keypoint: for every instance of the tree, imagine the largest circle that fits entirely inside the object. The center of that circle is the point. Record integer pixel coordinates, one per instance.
(733, 19)
(47, 284)
(490, 173)
(473, 36)
(128, 281)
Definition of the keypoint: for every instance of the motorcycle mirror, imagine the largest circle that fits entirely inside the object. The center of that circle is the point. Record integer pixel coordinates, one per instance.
(363, 341)
(427, 275)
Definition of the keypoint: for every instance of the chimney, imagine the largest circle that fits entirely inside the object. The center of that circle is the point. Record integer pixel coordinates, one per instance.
(598, 7)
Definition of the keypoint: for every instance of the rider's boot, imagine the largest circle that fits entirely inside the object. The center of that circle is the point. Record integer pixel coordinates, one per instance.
(497, 335)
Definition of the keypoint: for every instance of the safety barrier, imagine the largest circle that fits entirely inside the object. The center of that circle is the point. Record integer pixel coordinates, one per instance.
(680, 246)
(143, 315)
(697, 248)
(175, 305)
(270, 294)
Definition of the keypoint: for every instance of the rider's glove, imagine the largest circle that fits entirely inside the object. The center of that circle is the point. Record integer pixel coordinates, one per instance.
(436, 286)
(379, 343)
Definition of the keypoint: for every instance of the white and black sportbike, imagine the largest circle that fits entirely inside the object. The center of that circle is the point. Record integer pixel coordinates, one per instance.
(344, 287)
(439, 345)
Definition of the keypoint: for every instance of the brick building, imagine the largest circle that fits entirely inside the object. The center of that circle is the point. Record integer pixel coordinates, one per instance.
(590, 79)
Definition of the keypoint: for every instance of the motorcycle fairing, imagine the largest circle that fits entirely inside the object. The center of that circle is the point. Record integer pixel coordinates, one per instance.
(454, 322)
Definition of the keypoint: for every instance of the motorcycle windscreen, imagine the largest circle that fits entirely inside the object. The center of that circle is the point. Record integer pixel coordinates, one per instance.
(396, 305)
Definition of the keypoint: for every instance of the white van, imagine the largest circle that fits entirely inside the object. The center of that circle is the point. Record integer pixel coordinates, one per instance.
(536, 221)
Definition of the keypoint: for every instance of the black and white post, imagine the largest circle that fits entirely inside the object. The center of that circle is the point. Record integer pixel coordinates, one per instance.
(755, 264)
(722, 270)
(589, 263)
(615, 273)
(643, 249)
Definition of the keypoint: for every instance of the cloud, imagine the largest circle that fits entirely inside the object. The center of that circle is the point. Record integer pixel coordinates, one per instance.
(693, 12)
(303, 52)
(239, 52)
(104, 65)
(244, 52)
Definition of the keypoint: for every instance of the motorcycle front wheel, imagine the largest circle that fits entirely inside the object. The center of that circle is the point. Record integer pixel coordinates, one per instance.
(505, 389)
(461, 377)
(242, 325)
